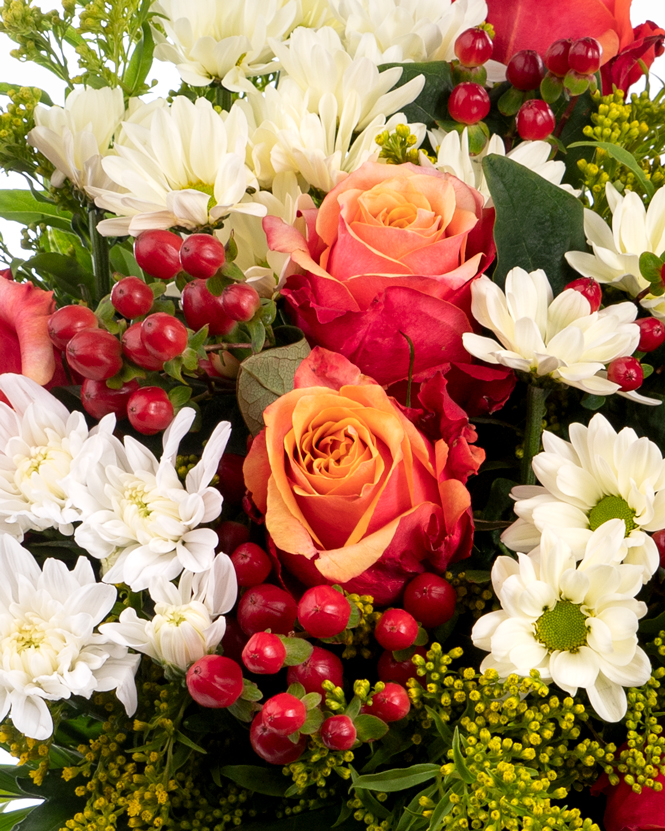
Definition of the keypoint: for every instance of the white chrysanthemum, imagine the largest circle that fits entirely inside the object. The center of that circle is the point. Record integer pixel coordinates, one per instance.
(559, 337)
(188, 622)
(598, 476)
(616, 251)
(317, 63)
(228, 41)
(39, 439)
(575, 622)
(388, 31)
(48, 648)
(320, 147)
(137, 515)
(183, 166)
(74, 138)
(453, 157)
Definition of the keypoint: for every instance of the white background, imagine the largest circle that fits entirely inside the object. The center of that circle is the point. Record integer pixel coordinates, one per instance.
(31, 75)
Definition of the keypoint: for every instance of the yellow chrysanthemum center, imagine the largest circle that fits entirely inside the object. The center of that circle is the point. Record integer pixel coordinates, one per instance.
(612, 507)
(562, 628)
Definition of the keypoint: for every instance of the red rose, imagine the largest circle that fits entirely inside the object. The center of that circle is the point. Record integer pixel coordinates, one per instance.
(390, 254)
(630, 811)
(534, 24)
(624, 69)
(25, 347)
(352, 492)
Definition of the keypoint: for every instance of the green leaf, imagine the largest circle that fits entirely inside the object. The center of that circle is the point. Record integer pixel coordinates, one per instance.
(297, 651)
(442, 728)
(140, 62)
(626, 158)
(20, 205)
(311, 700)
(231, 272)
(8, 819)
(404, 654)
(444, 807)
(183, 739)
(243, 710)
(264, 377)
(267, 781)
(422, 637)
(370, 728)
(123, 260)
(536, 222)
(68, 274)
(257, 334)
(592, 402)
(250, 691)
(411, 814)
(355, 616)
(398, 779)
(179, 396)
(313, 722)
(297, 690)
(430, 106)
(460, 762)
(354, 708)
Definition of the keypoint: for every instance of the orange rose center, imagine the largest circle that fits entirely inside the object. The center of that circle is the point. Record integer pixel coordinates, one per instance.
(332, 450)
(396, 203)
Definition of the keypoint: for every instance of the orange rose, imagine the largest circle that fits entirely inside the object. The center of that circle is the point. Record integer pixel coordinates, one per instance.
(352, 492)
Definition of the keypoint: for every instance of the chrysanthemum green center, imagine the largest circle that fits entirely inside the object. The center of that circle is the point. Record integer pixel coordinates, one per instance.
(612, 507)
(202, 187)
(563, 627)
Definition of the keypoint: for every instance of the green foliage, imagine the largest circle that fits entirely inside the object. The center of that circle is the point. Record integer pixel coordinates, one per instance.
(536, 222)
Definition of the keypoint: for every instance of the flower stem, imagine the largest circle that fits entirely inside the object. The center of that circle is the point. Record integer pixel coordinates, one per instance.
(535, 410)
(100, 254)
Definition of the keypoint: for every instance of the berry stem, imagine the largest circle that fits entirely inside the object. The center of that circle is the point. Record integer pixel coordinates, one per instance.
(566, 115)
(535, 411)
(100, 254)
(222, 347)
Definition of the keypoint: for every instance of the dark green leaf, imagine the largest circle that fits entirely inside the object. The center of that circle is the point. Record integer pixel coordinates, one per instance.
(430, 105)
(122, 260)
(8, 819)
(592, 402)
(370, 728)
(21, 206)
(297, 650)
(354, 617)
(243, 710)
(257, 334)
(266, 376)
(140, 62)
(443, 729)
(65, 271)
(412, 813)
(477, 575)
(267, 781)
(536, 222)
(460, 762)
(398, 779)
(626, 158)
(183, 739)
(444, 807)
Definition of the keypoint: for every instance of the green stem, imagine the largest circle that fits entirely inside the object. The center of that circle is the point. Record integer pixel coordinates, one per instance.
(100, 254)
(535, 411)
(223, 98)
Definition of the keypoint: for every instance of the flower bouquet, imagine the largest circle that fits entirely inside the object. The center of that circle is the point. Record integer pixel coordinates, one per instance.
(332, 490)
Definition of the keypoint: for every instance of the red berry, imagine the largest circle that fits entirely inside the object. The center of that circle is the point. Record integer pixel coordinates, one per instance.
(99, 400)
(392, 704)
(201, 308)
(396, 630)
(535, 120)
(231, 480)
(69, 321)
(267, 607)
(215, 681)
(202, 255)
(584, 56)
(149, 410)
(468, 103)
(164, 336)
(338, 733)
(474, 47)
(390, 669)
(264, 653)
(157, 252)
(252, 565)
(240, 301)
(626, 372)
(525, 70)
(95, 354)
(659, 539)
(323, 612)
(273, 748)
(230, 535)
(135, 351)
(556, 57)
(430, 599)
(652, 334)
(132, 297)
(321, 666)
(284, 713)
(590, 289)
